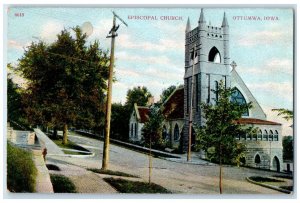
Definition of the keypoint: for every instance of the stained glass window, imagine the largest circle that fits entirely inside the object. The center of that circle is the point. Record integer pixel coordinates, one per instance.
(237, 97)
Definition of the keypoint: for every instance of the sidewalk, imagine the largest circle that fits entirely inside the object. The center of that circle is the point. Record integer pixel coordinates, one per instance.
(85, 181)
(52, 148)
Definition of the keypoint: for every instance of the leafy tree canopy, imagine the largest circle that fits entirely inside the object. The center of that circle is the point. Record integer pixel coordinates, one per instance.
(286, 113)
(217, 136)
(66, 80)
(152, 129)
(166, 93)
(139, 95)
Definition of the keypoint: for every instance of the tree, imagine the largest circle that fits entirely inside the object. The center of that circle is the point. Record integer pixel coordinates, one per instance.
(152, 132)
(14, 104)
(119, 121)
(152, 129)
(287, 114)
(138, 95)
(66, 81)
(166, 93)
(288, 148)
(217, 136)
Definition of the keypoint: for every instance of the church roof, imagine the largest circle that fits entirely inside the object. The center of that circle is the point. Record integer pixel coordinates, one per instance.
(174, 106)
(143, 113)
(256, 121)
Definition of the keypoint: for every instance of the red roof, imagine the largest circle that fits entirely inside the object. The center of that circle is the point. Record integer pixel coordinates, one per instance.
(144, 113)
(174, 106)
(256, 121)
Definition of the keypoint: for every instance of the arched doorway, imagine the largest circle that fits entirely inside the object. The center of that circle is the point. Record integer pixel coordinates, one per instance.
(257, 160)
(276, 164)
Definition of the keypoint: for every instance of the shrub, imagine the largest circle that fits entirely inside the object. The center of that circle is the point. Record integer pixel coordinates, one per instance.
(127, 186)
(264, 179)
(21, 171)
(62, 184)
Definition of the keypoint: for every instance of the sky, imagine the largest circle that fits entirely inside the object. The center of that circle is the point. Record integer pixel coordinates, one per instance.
(151, 52)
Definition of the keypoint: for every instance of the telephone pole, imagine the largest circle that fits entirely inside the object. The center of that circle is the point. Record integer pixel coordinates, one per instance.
(113, 35)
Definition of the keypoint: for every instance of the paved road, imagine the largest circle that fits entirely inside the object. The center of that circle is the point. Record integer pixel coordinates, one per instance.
(177, 177)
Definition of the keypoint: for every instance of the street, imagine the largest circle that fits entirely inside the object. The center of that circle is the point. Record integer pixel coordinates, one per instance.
(176, 177)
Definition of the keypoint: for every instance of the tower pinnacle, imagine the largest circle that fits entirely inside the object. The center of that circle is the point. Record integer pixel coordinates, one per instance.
(224, 23)
(202, 19)
(188, 26)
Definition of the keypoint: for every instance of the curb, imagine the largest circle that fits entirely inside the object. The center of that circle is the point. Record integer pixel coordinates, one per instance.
(73, 155)
(186, 162)
(269, 186)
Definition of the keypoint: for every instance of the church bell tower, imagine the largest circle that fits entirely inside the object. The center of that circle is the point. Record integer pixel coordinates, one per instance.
(207, 47)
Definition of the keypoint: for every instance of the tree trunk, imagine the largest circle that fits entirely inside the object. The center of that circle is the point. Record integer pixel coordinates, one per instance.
(150, 161)
(65, 135)
(220, 175)
(220, 180)
(54, 135)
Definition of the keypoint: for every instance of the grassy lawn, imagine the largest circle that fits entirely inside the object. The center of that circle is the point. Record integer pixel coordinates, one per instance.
(109, 172)
(21, 170)
(70, 145)
(127, 186)
(264, 179)
(273, 182)
(62, 184)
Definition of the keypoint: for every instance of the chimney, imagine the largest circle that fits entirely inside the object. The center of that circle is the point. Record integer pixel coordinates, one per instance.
(150, 101)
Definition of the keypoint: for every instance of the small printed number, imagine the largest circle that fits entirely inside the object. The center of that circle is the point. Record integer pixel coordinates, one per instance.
(19, 14)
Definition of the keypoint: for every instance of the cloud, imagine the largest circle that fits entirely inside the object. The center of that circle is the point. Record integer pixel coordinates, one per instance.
(17, 79)
(265, 37)
(272, 116)
(161, 45)
(100, 31)
(272, 66)
(13, 44)
(274, 89)
(50, 29)
(149, 73)
(126, 73)
(162, 60)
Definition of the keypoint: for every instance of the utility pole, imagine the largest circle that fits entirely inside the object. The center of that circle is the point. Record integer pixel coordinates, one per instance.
(113, 35)
(191, 107)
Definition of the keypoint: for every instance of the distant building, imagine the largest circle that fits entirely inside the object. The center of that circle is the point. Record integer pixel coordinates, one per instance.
(174, 117)
(139, 116)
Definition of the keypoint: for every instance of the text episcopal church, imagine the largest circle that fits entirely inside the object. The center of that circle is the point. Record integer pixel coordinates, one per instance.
(212, 64)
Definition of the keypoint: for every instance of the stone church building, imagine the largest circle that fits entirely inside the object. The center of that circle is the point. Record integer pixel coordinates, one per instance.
(209, 47)
(207, 62)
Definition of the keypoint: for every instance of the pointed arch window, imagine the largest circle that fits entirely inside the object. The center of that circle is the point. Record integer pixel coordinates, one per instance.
(176, 132)
(217, 90)
(259, 135)
(257, 159)
(271, 135)
(265, 136)
(238, 97)
(164, 133)
(214, 55)
(135, 130)
(276, 135)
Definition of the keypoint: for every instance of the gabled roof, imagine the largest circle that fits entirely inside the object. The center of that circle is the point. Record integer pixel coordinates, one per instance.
(256, 121)
(237, 81)
(143, 113)
(173, 107)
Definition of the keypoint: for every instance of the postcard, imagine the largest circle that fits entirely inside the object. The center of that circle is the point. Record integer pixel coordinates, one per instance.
(138, 100)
